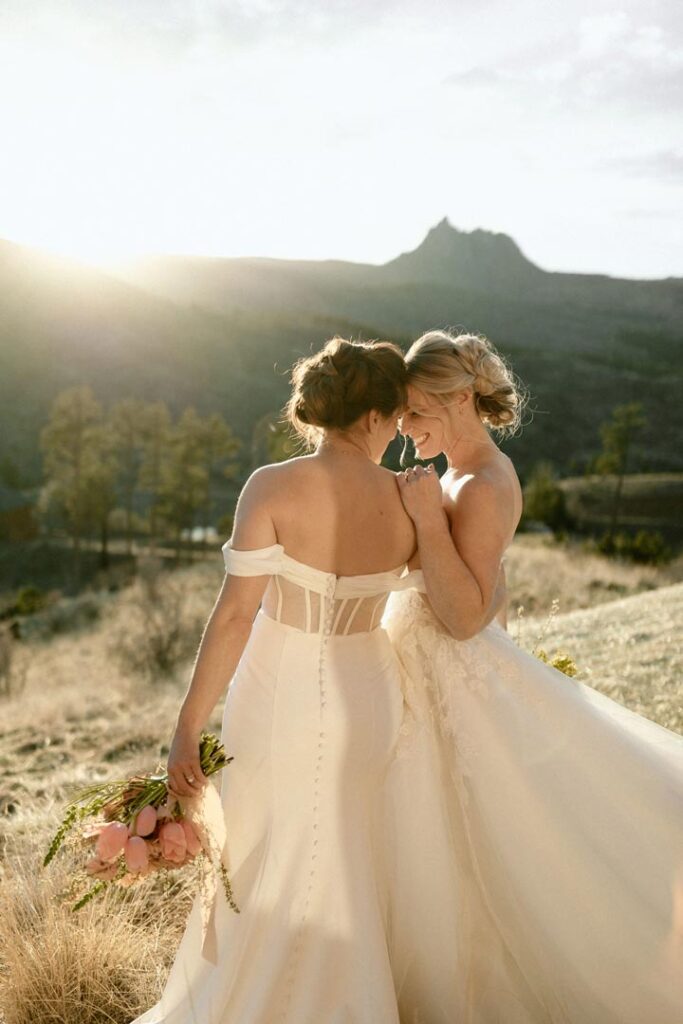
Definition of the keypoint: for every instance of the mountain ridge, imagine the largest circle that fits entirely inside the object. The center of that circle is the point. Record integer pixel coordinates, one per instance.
(221, 334)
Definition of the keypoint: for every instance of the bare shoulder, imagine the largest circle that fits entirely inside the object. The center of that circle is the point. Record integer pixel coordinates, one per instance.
(387, 477)
(269, 479)
(490, 493)
(253, 522)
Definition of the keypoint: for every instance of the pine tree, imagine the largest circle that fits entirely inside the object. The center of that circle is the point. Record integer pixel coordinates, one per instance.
(156, 441)
(65, 441)
(101, 473)
(128, 420)
(219, 451)
(184, 485)
(617, 441)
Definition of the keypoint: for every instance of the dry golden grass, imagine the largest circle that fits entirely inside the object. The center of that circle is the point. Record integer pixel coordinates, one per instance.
(82, 716)
(539, 570)
(96, 966)
(629, 649)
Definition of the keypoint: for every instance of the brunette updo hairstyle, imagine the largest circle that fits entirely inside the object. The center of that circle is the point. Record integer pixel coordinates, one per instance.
(443, 364)
(345, 379)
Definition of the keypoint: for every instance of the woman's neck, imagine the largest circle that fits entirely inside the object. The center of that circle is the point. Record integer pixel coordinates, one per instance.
(338, 446)
(468, 447)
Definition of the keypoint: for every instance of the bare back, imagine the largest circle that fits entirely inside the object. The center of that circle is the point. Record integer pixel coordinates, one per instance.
(341, 514)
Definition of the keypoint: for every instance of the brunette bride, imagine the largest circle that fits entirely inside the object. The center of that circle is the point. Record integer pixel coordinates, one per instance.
(548, 886)
(312, 716)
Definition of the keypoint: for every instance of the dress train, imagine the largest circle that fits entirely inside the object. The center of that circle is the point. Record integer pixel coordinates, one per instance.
(536, 830)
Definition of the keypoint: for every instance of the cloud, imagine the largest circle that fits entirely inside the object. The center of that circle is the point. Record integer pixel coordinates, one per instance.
(656, 214)
(476, 77)
(664, 165)
(173, 27)
(605, 58)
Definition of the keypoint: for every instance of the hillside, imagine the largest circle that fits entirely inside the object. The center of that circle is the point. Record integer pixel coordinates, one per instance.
(63, 324)
(649, 501)
(450, 277)
(96, 720)
(628, 649)
(222, 333)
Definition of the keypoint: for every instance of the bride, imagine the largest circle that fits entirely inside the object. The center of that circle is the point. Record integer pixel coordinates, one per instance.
(536, 825)
(313, 714)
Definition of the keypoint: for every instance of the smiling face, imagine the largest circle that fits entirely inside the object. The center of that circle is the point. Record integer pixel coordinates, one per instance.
(384, 433)
(426, 422)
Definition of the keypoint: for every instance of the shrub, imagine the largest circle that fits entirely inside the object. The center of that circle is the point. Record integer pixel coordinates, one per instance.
(30, 599)
(64, 616)
(13, 665)
(647, 546)
(544, 498)
(157, 627)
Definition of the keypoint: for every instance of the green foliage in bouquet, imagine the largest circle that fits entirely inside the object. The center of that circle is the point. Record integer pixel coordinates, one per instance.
(131, 826)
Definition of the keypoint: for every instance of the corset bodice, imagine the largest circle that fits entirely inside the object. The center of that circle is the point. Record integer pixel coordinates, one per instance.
(310, 599)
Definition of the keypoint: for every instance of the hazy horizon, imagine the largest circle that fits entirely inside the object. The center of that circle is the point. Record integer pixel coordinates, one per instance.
(124, 260)
(280, 129)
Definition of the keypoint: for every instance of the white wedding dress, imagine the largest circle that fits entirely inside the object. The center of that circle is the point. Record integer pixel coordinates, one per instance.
(427, 831)
(537, 833)
(312, 717)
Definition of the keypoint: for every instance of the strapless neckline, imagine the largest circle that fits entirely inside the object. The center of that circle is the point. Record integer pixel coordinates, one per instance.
(323, 573)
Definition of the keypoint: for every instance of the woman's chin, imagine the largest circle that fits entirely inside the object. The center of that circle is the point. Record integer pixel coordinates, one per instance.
(427, 451)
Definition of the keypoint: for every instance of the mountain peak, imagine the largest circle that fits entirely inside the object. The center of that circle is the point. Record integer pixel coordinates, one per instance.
(443, 225)
(474, 259)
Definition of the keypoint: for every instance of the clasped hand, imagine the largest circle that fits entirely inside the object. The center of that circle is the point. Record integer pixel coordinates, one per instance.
(185, 775)
(421, 494)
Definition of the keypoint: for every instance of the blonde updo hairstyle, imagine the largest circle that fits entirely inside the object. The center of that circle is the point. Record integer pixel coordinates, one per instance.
(443, 364)
(345, 379)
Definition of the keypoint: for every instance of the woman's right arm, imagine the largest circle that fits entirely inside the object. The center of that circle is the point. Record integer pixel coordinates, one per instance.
(224, 637)
(460, 550)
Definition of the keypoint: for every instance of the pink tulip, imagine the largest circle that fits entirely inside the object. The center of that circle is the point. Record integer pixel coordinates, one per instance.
(173, 842)
(191, 838)
(100, 869)
(136, 854)
(146, 821)
(111, 840)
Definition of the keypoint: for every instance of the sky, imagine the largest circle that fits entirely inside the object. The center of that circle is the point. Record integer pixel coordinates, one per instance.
(324, 129)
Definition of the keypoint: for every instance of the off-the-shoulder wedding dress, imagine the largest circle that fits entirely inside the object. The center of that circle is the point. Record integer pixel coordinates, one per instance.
(312, 717)
(427, 831)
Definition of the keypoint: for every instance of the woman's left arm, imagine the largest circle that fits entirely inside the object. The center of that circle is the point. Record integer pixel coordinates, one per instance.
(225, 635)
(460, 558)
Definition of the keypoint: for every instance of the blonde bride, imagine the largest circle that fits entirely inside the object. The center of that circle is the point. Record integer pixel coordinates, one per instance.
(537, 825)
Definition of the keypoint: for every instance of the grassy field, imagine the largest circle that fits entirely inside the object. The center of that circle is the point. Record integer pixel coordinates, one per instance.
(539, 570)
(92, 708)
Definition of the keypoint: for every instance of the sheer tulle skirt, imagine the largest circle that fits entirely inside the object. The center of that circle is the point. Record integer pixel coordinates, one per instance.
(536, 830)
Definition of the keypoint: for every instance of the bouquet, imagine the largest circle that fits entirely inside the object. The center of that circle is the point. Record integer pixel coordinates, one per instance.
(134, 827)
